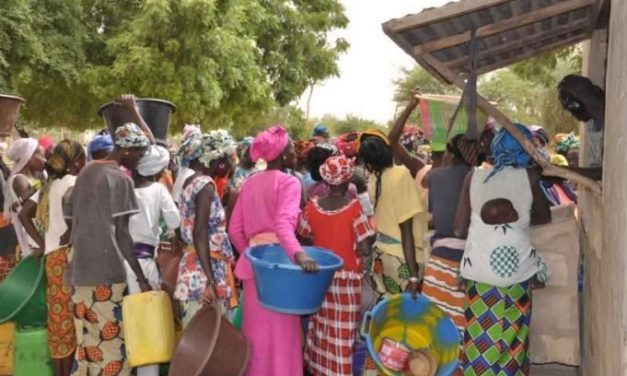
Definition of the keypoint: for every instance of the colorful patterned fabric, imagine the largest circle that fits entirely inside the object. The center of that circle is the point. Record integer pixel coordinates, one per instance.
(337, 170)
(302, 149)
(99, 331)
(441, 286)
(130, 136)
(508, 152)
(190, 149)
(496, 338)
(6, 265)
(61, 332)
(333, 329)
(215, 145)
(390, 274)
(569, 142)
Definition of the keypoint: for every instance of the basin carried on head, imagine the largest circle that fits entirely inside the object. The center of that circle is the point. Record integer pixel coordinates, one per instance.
(9, 108)
(210, 346)
(283, 286)
(155, 112)
(23, 294)
(417, 324)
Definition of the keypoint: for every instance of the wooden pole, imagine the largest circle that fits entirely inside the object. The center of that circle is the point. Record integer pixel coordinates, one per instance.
(548, 169)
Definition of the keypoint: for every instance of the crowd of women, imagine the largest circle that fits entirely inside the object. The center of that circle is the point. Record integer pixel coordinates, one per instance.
(102, 215)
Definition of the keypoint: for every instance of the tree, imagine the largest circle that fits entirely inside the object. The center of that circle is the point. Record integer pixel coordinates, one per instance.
(350, 123)
(225, 63)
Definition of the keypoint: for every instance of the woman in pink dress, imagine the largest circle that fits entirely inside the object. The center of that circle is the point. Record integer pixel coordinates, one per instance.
(267, 211)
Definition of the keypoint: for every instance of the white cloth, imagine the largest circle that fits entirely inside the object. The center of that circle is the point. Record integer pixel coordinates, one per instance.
(56, 222)
(155, 161)
(24, 240)
(500, 255)
(184, 174)
(154, 201)
(20, 153)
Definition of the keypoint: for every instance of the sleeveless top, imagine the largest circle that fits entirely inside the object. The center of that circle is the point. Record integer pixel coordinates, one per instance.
(25, 241)
(500, 255)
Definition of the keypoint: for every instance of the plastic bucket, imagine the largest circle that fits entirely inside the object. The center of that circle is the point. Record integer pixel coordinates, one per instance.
(416, 323)
(155, 112)
(284, 287)
(9, 108)
(210, 346)
(23, 294)
(31, 355)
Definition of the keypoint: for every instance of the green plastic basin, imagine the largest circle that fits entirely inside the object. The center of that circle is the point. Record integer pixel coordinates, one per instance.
(23, 294)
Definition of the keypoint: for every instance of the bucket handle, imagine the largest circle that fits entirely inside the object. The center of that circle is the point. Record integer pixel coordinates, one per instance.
(364, 331)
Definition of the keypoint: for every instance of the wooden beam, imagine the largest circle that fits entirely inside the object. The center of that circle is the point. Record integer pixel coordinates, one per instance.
(505, 25)
(501, 118)
(519, 43)
(439, 14)
(533, 52)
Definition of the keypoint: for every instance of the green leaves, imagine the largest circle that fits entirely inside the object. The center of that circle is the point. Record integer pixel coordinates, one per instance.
(225, 63)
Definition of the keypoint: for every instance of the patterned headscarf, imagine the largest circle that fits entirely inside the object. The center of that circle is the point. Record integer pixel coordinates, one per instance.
(191, 130)
(215, 145)
(130, 136)
(243, 146)
(337, 170)
(371, 133)
(63, 156)
(507, 151)
(269, 144)
(302, 149)
(347, 143)
(190, 149)
(539, 132)
(569, 142)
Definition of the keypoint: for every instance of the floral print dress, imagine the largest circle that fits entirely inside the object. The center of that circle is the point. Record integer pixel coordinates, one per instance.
(192, 280)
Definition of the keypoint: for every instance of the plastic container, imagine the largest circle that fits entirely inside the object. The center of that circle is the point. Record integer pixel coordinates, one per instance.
(210, 346)
(418, 324)
(6, 348)
(32, 356)
(155, 112)
(9, 108)
(284, 287)
(23, 294)
(148, 328)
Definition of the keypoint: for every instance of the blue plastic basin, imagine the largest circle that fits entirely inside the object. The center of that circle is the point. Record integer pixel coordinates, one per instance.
(283, 286)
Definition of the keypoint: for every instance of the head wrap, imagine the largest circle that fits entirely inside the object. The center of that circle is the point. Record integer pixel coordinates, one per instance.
(46, 142)
(215, 145)
(539, 132)
(467, 151)
(191, 130)
(243, 146)
(154, 161)
(569, 142)
(559, 160)
(337, 170)
(99, 143)
(190, 149)
(347, 143)
(302, 149)
(130, 136)
(320, 130)
(64, 154)
(269, 144)
(507, 151)
(371, 133)
(20, 152)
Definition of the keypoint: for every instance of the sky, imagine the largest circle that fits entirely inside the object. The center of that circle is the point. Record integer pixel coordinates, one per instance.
(368, 68)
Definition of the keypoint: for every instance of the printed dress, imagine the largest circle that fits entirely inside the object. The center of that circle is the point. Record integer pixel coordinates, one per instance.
(192, 280)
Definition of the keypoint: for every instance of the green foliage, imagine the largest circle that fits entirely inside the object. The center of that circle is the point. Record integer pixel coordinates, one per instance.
(349, 123)
(225, 63)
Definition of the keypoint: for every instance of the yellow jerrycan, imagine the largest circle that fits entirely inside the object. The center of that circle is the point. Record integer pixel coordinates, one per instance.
(148, 328)
(6, 348)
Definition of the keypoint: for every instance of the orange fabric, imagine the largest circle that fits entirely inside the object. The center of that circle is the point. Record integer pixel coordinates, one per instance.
(167, 180)
(221, 184)
(61, 332)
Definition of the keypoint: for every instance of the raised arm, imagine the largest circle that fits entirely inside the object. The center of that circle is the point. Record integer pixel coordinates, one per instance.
(129, 101)
(413, 163)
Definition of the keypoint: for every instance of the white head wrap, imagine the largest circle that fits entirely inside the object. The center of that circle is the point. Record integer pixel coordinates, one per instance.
(155, 160)
(21, 152)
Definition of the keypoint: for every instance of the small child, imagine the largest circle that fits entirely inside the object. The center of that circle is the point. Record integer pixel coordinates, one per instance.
(337, 223)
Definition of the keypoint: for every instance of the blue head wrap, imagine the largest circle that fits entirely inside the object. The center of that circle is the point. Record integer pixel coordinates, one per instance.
(320, 130)
(507, 151)
(99, 143)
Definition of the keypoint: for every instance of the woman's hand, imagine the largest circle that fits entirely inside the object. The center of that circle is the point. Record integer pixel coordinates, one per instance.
(209, 296)
(128, 101)
(38, 252)
(413, 287)
(306, 262)
(144, 286)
